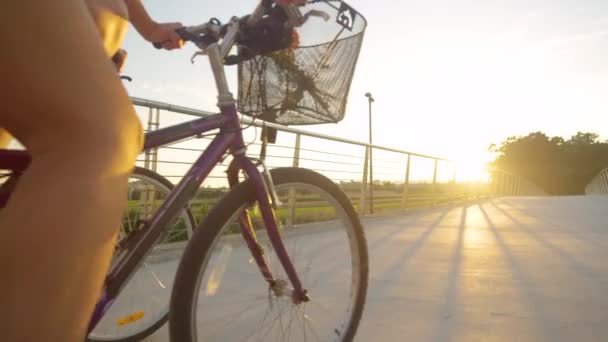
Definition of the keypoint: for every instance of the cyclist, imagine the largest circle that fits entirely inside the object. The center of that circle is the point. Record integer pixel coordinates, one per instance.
(62, 99)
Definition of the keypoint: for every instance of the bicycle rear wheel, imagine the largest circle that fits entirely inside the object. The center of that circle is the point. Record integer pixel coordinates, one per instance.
(220, 294)
(142, 307)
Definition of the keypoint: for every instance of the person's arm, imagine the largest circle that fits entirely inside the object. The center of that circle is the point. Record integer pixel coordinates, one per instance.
(152, 31)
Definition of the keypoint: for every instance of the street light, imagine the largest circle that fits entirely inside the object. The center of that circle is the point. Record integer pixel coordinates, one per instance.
(370, 99)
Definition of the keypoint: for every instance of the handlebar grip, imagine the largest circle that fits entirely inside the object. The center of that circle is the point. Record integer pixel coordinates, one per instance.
(183, 34)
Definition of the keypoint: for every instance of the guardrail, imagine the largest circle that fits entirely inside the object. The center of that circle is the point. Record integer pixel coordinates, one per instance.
(402, 179)
(504, 183)
(599, 184)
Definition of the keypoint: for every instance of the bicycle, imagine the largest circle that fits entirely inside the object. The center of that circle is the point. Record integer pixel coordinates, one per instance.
(261, 221)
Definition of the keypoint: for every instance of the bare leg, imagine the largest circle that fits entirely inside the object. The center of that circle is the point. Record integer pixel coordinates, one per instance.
(61, 98)
(5, 138)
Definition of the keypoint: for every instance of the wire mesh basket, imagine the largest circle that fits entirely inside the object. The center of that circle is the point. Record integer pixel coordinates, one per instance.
(308, 83)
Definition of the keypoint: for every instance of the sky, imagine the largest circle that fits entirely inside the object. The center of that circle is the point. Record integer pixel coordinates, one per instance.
(449, 77)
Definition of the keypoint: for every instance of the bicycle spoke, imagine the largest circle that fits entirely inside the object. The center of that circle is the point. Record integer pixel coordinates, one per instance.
(233, 315)
(281, 327)
(289, 326)
(273, 322)
(266, 330)
(158, 281)
(309, 321)
(266, 312)
(303, 324)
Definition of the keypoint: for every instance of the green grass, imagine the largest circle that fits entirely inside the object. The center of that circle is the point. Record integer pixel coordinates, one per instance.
(309, 207)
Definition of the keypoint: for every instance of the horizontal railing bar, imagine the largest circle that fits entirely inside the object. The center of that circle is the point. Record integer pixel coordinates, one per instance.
(258, 123)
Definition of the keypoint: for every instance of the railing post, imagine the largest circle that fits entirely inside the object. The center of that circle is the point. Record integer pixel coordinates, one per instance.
(150, 163)
(292, 193)
(406, 182)
(503, 184)
(148, 128)
(435, 193)
(453, 186)
(522, 187)
(371, 180)
(296, 151)
(363, 195)
(151, 156)
(497, 180)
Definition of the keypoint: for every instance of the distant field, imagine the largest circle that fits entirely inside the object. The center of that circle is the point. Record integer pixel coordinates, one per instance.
(310, 209)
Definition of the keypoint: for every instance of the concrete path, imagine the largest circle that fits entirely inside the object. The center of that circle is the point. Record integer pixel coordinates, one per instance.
(512, 269)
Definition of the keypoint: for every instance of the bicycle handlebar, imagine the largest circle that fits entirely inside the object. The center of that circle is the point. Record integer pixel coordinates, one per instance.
(200, 33)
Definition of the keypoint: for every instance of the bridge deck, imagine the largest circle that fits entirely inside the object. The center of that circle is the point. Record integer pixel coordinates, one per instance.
(512, 269)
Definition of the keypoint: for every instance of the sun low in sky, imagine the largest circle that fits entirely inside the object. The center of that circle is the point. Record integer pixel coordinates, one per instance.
(449, 77)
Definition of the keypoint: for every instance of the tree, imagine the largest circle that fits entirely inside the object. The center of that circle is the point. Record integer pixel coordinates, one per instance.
(556, 165)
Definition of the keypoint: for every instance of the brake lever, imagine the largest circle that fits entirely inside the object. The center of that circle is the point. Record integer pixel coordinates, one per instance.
(196, 54)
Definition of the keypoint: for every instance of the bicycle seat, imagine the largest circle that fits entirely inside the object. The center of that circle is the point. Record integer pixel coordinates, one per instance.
(119, 59)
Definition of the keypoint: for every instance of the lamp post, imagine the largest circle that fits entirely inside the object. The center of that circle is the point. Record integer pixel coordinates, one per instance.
(370, 99)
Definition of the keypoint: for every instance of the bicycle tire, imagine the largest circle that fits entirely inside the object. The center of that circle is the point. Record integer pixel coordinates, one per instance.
(194, 260)
(143, 173)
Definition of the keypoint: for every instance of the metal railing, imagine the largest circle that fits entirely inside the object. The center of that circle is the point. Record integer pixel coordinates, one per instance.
(599, 184)
(402, 179)
(504, 183)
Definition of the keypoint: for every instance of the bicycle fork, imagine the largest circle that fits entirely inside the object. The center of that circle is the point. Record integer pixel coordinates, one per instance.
(266, 198)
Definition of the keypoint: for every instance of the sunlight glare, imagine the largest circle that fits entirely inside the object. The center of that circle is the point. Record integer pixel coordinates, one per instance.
(473, 168)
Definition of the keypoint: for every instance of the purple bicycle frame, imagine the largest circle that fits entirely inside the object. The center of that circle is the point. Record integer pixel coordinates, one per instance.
(229, 139)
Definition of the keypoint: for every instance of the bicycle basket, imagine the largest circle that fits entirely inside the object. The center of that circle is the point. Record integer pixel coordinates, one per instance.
(307, 84)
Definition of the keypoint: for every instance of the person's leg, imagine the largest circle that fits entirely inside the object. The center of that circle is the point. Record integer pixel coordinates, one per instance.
(62, 99)
(110, 17)
(5, 138)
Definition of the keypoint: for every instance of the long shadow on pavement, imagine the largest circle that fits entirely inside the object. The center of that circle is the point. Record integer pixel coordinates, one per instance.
(400, 261)
(532, 299)
(444, 332)
(574, 264)
(562, 228)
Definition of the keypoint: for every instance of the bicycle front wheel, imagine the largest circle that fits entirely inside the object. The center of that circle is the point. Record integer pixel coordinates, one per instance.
(220, 294)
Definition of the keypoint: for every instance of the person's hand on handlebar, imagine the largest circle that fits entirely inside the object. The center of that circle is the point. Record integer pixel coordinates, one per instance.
(165, 35)
(162, 34)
